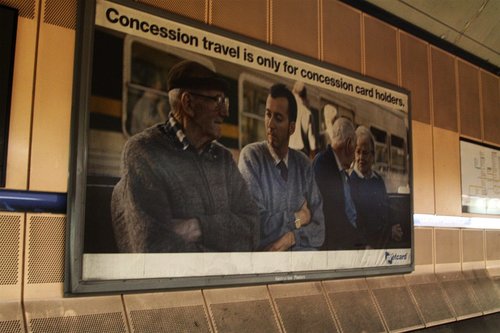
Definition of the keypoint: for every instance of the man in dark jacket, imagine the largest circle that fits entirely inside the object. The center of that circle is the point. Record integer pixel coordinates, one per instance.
(343, 231)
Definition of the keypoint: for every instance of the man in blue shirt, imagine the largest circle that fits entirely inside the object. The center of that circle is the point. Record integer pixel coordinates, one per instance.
(282, 182)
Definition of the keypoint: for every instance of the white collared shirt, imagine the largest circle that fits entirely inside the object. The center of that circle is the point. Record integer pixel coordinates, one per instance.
(360, 175)
(276, 158)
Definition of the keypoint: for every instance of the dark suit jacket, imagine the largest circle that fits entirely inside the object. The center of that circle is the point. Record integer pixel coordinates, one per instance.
(340, 233)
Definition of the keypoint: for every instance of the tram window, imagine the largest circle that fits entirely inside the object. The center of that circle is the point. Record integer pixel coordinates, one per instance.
(252, 116)
(146, 89)
(381, 155)
(398, 158)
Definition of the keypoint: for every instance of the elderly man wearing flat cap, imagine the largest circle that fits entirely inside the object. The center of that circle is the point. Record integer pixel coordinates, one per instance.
(180, 190)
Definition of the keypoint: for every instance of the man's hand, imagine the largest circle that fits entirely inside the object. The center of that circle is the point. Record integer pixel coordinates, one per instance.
(188, 229)
(304, 214)
(283, 243)
(397, 232)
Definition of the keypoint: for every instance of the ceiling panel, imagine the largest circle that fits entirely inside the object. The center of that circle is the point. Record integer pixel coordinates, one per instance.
(472, 25)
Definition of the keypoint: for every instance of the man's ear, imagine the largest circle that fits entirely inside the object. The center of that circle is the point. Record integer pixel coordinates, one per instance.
(291, 128)
(349, 146)
(187, 103)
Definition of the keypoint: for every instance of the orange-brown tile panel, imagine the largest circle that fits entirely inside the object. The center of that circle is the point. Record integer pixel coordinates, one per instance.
(423, 246)
(415, 76)
(194, 9)
(248, 18)
(21, 105)
(381, 57)
(447, 246)
(470, 110)
(472, 247)
(491, 107)
(447, 178)
(341, 35)
(294, 26)
(52, 109)
(444, 90)
(492, 244)
(423, 168)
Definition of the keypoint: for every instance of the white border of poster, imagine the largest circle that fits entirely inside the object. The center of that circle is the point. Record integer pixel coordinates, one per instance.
(110, 272)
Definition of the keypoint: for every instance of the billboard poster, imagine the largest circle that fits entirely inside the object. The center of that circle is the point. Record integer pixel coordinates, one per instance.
(203, 158)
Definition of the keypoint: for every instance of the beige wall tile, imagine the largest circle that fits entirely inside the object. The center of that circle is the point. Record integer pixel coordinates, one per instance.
(44, 256)
(21, 105)
(470, 112)
(492, 245)
(52, 110)
(423, 168)
(341, 35)
(242, 309)
(415, 75)
(11, 256)
(195, 9)
(491, 107)
(447, 246)
(447, 172)
(294, 26)
(423, 246)
(444, 90)
(473, 245)
(380, 50)
(49, 315)
(248, 18)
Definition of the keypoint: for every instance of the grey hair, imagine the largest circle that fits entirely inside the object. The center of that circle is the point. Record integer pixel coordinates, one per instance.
(342, 130)
(364, 132)
(174, 98)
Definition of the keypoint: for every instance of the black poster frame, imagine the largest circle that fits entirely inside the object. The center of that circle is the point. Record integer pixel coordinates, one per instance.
(8, 31)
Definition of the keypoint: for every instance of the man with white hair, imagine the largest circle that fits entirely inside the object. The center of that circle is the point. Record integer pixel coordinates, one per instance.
(370, 195)
(343, 231)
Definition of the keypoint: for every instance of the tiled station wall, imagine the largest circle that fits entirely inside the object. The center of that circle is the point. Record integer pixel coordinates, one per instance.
(457, 270)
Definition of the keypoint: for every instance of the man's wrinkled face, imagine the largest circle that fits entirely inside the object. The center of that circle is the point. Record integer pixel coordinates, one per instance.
(277, 123)
(209, 113)
(364, 155)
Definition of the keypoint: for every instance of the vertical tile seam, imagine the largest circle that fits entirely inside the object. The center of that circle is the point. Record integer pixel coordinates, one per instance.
(431, 121)
(415, 303)
(446, 298)
(38, 9)
(399, 68)
(457, 97)
(276, 313)
(208, 313)
(362, 42)
(320, 30)
(377, 306)
(269, 21)
(461, 248)
(22, 273)
(433, 245)
(485, 255)
(208, 12)
(128, 321)
(331, 308)
(38, 15)
(481, 104)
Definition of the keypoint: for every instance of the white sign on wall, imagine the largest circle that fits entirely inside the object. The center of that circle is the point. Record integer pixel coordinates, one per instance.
(480, 169)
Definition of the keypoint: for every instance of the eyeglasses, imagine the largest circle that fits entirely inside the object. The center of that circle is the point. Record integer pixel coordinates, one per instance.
(220, 100)
(363, 152)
